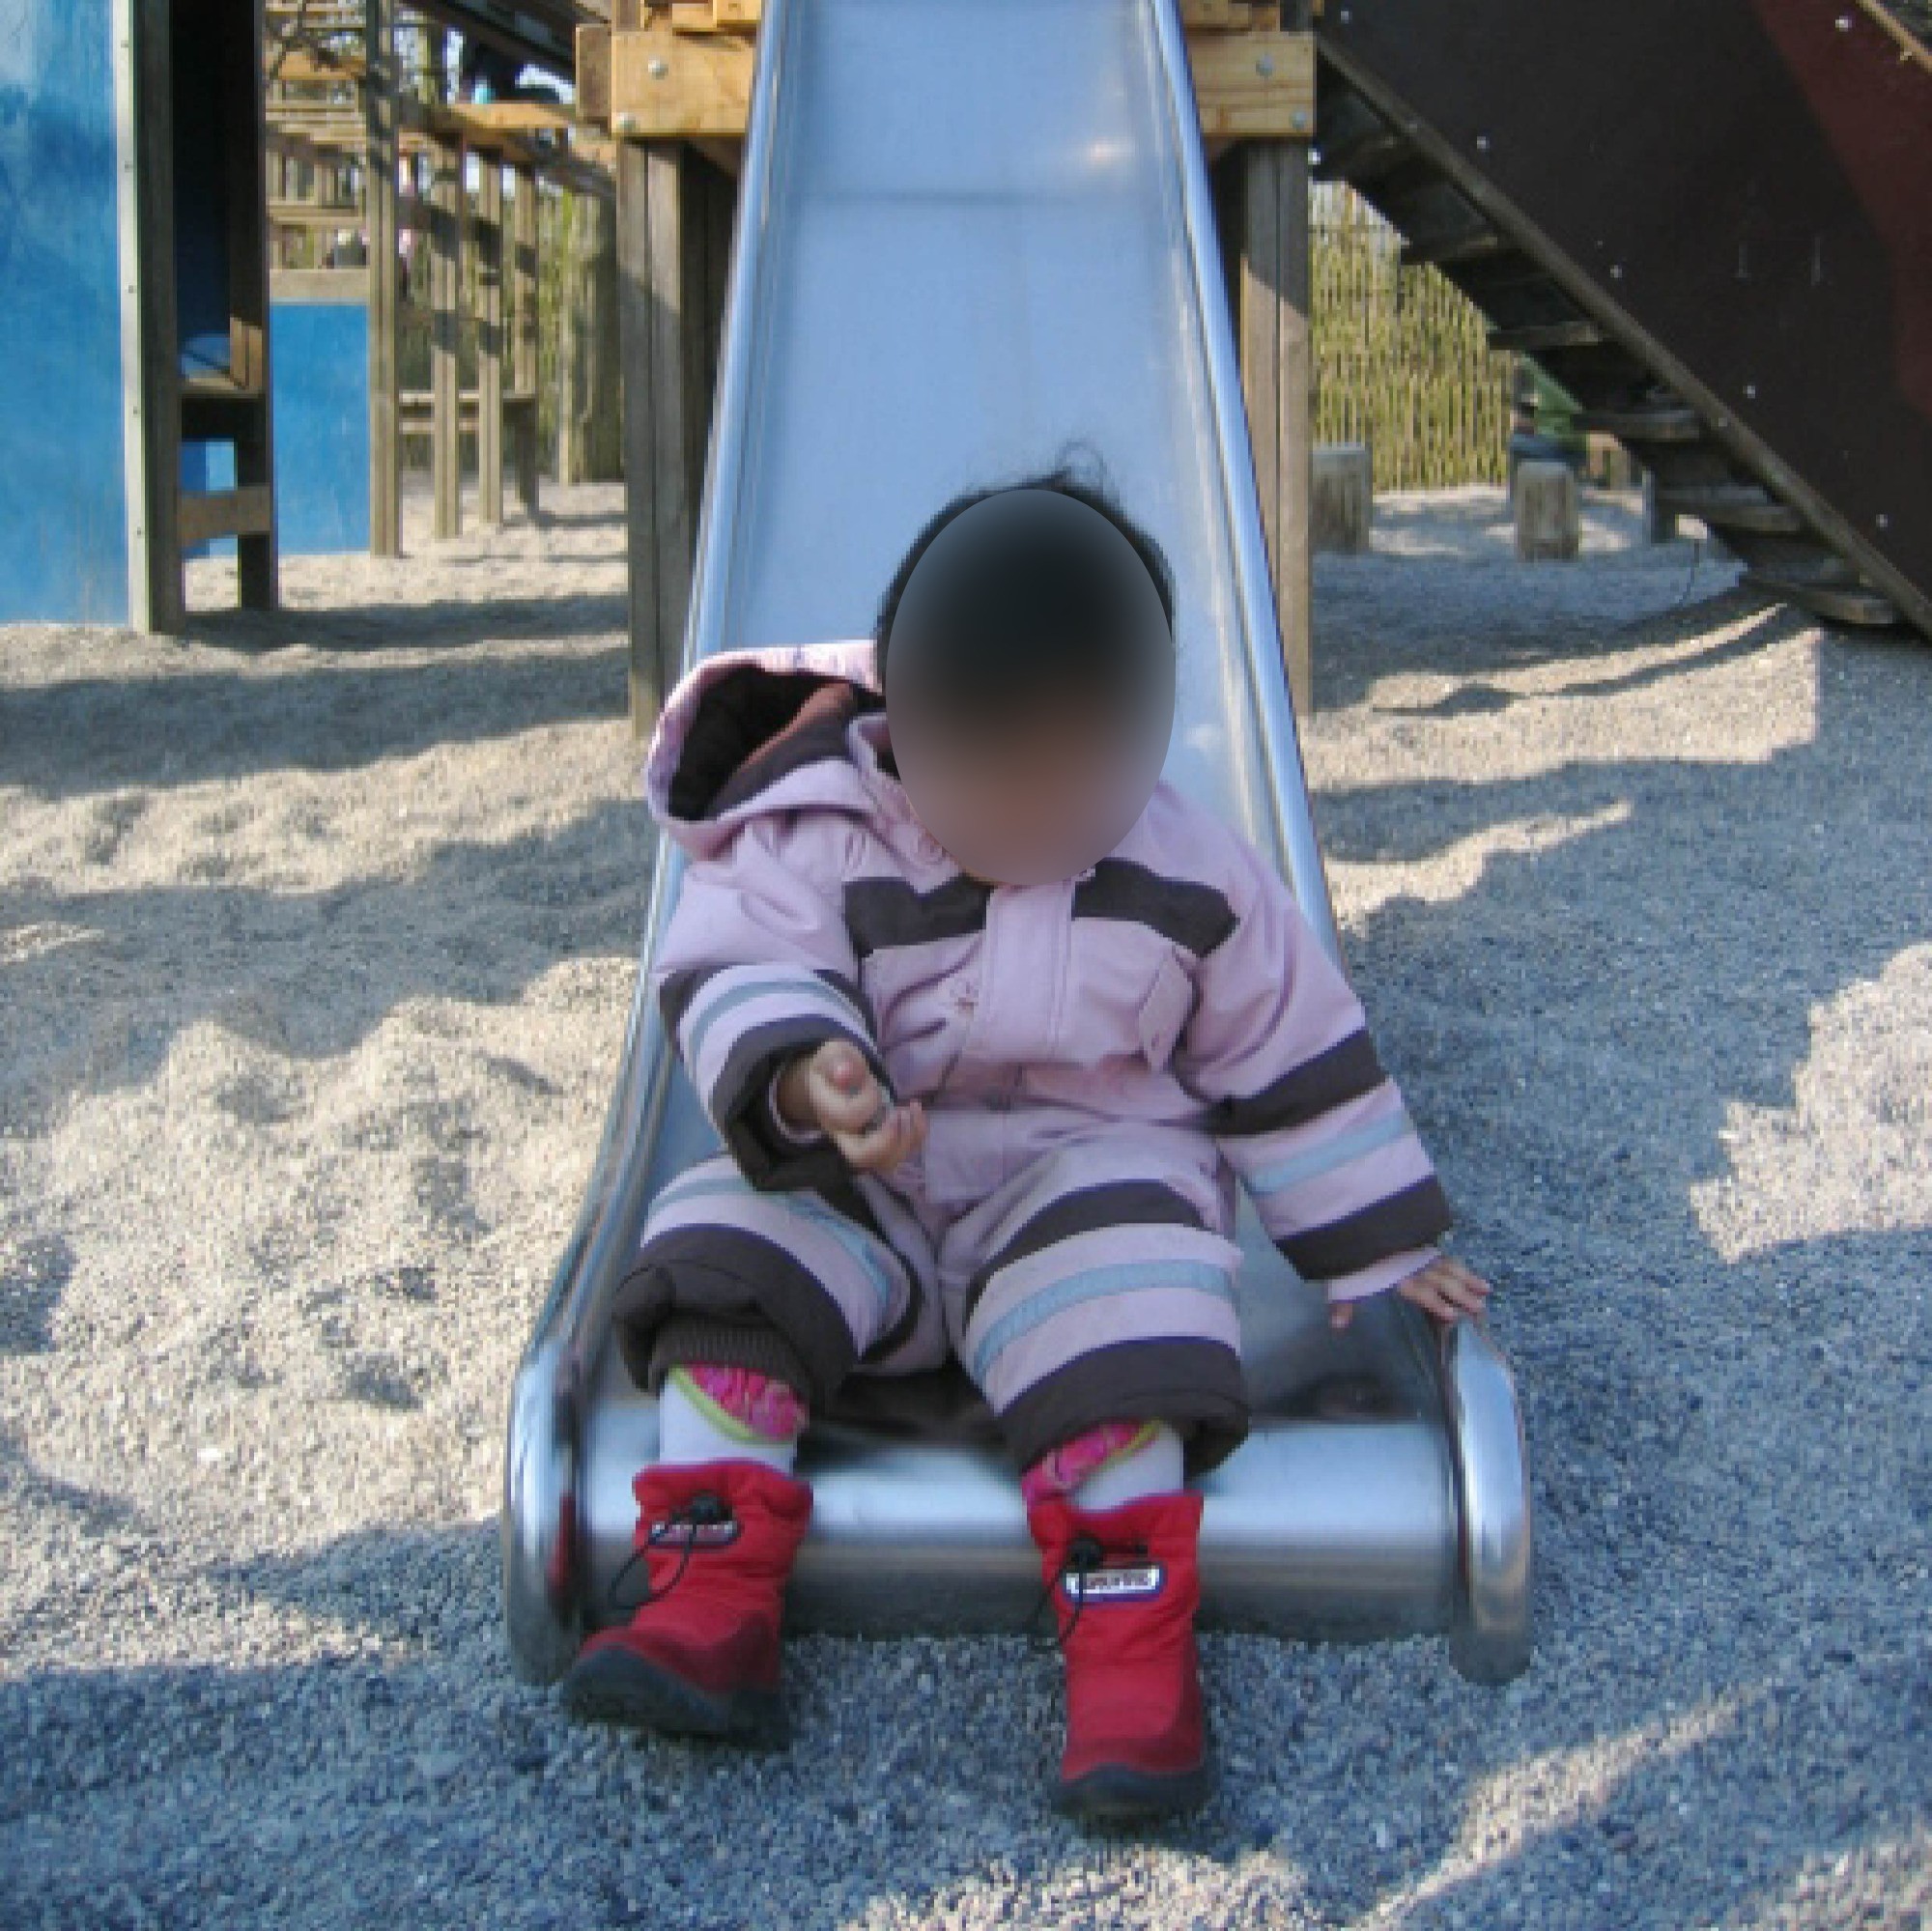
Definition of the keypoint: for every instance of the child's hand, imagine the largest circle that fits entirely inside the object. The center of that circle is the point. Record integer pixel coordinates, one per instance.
(835, 1089)
(1445, 1287)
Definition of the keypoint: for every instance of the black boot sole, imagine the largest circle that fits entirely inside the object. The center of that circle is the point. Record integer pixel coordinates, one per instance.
(1115, 1794)
(614, 1685)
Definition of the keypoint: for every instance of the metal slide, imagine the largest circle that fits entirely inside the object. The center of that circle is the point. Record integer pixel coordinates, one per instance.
(971, 236)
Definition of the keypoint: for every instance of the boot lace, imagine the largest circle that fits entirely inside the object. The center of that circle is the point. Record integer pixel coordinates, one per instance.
(705, 1510)
(1085, 1553)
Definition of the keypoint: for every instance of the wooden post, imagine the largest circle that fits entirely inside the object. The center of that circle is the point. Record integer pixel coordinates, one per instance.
(524, 318)
(1273, 329)
(244, 119)
(489, 342)
(1547, 523)
(379, 188)
(446, 284)
(159, 602)
(1342, 509)
(571, 317)
(659, 301)
(590, 443)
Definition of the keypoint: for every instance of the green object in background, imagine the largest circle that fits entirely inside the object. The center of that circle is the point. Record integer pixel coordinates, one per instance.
(1556, 409)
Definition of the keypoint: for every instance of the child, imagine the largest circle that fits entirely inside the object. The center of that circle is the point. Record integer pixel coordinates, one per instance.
(990, 1021)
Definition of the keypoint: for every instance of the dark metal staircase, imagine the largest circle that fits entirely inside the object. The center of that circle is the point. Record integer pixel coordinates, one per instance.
(1564, 300)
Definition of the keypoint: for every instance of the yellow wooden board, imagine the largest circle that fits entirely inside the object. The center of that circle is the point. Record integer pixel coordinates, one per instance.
(1249, 85)
(662, 82)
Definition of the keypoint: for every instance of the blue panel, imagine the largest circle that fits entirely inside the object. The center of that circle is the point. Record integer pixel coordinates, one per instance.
(63, 505)
(320, 356)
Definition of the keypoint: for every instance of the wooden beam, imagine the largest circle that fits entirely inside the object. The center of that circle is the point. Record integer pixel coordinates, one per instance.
(509, 117)
(257, 564)
(159, 602)
(655, 194)
(489, 341)
(524, 331)
(1272, 327)
(1254, 84)
(380, 198)
(593, 75)
(666, 83)
(446, 334)
(247, 513)
(662, 80)
(314, 65)
(346, 288)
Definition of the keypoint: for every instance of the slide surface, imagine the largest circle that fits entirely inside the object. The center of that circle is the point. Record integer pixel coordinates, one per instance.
(971, 239)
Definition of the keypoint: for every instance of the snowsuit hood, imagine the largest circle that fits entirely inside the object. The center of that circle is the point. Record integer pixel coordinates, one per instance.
(757, 730)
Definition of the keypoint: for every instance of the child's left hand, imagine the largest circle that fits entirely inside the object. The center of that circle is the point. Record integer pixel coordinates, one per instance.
(1445, 1289)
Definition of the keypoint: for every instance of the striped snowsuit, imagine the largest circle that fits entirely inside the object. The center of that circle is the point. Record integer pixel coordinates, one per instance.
(1100, 1061)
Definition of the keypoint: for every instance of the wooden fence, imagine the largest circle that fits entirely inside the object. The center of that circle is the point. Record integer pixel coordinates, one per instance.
(1401, 358)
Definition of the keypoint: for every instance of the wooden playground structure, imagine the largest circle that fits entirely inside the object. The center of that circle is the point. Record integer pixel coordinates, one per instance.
(672, 84)
(343, 131)
(226, 140)
(273, 158)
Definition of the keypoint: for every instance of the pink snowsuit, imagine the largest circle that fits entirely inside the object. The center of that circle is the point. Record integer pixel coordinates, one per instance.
(1100, 1060)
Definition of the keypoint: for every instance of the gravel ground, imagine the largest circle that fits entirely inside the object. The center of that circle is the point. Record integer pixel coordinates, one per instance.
(316, 939)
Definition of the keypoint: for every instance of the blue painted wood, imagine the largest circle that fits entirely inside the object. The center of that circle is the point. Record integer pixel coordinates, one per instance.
(62, 498)
(320, 355)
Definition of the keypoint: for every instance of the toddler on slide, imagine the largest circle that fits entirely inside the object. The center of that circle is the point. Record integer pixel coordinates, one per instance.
(992, 1021)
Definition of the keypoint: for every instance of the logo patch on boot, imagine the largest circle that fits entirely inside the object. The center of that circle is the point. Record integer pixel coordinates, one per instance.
(1116, 1585)
(701, 1535)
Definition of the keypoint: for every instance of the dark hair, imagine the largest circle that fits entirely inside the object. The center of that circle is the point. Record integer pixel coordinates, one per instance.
(1067, 481)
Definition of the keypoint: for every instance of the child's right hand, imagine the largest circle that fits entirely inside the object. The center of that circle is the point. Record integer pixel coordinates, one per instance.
(835, 1089)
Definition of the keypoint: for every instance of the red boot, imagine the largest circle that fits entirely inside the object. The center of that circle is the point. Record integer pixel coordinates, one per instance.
(701, 1655)
(1125, 1586)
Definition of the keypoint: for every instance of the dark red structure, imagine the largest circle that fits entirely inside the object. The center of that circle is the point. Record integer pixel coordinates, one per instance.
(1711, 223)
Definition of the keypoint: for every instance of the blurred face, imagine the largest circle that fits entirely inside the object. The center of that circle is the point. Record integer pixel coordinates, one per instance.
(1048, 785)
(1041, 797)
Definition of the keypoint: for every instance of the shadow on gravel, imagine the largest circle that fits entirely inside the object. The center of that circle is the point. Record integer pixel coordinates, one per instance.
(33, 1273)
(450, 621)
(1733, 1481)
(425, 1786)
(1733, 1510)
(476, 923)
(1379, 615)
(71, 740)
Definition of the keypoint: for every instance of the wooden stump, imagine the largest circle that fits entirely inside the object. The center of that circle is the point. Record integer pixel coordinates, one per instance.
(1549, 525)
(1344, 497)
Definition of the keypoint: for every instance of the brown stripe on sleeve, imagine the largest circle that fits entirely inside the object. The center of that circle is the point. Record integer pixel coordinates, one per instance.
(678, 990)
(1181, 909)
(853, 990)
(1346, 1071)
(881, 912)
(1409, 1218)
